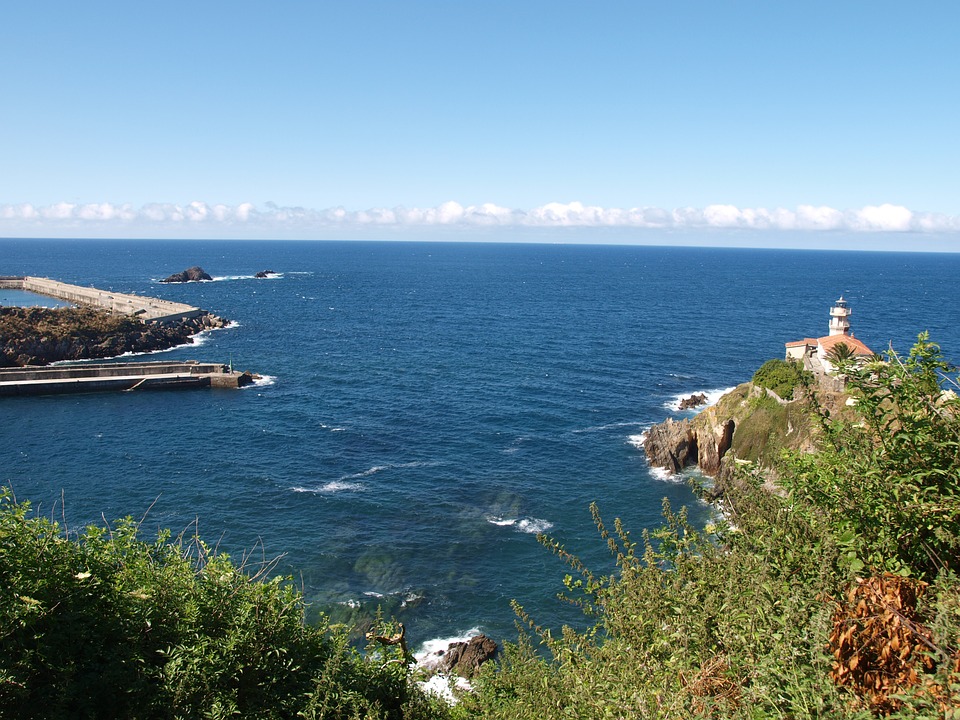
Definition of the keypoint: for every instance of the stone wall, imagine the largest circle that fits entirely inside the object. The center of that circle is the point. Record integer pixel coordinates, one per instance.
(146, 308)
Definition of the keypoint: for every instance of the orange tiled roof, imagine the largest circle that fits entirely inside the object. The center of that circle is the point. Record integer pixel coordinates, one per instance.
(811, 342)
(828, 342)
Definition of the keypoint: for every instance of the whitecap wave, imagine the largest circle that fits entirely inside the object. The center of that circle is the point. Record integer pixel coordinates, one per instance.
(664, 475)
(610, 426)
(637, 440)
(442, 686)
(264, 380)
(330, 488)
(530, 525)
(389, 466)
(673, 404)
(406, 597)
(227, 278)
(366, 473)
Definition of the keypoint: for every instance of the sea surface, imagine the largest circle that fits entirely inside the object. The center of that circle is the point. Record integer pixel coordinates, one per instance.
(426, 408)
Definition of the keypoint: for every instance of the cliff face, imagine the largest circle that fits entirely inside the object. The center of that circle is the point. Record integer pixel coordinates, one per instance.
(748, 423)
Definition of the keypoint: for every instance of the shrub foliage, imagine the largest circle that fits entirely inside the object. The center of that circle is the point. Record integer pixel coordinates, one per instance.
(781, 376)
(837, 598)
(107, 625)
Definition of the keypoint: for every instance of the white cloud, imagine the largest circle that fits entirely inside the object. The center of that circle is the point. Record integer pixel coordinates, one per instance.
(246, 219)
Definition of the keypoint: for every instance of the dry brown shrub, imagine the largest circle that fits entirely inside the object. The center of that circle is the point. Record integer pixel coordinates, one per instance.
(879, 644)
(712, 688)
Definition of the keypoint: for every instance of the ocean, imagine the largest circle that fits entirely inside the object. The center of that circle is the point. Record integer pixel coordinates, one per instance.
(427, 408)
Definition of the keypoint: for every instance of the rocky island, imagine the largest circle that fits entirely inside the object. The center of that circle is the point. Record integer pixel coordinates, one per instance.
(191, 274)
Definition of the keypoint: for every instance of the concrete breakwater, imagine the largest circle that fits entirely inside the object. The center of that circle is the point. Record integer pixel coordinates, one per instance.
(147, 309)
(119, 376)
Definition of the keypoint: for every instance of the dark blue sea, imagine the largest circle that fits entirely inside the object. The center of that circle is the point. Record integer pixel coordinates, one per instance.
(428, 408)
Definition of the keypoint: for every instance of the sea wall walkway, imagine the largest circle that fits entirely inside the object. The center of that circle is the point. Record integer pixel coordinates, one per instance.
(57, 379)
(146, 308)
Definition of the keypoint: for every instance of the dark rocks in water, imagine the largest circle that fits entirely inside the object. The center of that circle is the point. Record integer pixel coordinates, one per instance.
(39, 336)
(465, 658)
(265, 273)
(694, 401)
(700, 441)
(671, 445)
(191, 274)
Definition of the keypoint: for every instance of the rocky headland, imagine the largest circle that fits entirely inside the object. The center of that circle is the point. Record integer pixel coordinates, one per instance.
(40, 336)
(749, 423)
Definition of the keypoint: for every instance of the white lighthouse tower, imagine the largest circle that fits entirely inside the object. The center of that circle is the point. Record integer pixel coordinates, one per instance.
(840, 318)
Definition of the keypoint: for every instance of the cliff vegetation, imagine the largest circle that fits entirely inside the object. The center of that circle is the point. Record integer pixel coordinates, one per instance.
(836, 597)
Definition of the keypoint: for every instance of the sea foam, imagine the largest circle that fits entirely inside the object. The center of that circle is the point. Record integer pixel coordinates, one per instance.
(330, 488)
(637, 441)
(673, 404)
(533, 526)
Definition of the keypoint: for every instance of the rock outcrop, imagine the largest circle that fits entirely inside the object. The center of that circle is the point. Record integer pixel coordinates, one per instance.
(674, 445)
(191, 274)
(748, 423)
(265, 274)
(40, 336)
(694, 401)
(463, 658)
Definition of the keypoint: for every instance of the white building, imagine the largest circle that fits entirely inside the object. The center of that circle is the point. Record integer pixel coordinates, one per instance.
(814, 351)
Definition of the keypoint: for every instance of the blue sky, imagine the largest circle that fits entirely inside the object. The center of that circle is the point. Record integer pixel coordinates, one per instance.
(736, 122)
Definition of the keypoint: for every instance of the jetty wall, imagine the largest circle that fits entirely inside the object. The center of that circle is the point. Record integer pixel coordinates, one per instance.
(146, 308)
(57, 379)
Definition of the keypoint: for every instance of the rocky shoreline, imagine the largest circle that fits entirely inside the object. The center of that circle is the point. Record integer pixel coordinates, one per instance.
(40, 336)
(748, 424)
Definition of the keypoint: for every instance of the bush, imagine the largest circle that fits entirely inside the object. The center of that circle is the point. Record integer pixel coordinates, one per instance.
(890, 480)
(772, 617)
(781, 376)
(106, 625)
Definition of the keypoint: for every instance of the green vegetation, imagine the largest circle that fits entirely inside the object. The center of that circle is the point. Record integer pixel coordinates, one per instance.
(840, 353)
(106, 625)
(836, 597)
(781, 376)
(764, 425)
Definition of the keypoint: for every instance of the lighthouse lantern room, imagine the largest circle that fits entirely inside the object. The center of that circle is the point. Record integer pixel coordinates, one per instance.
(840, 318)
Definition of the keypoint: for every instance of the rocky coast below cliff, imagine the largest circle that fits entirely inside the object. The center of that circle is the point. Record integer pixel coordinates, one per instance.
(750, 423)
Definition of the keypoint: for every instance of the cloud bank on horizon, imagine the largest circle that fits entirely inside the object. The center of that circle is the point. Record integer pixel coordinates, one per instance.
(270, 219)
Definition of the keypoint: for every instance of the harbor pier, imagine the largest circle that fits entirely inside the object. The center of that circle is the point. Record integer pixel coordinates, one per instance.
(147, 309)
(134, 376)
